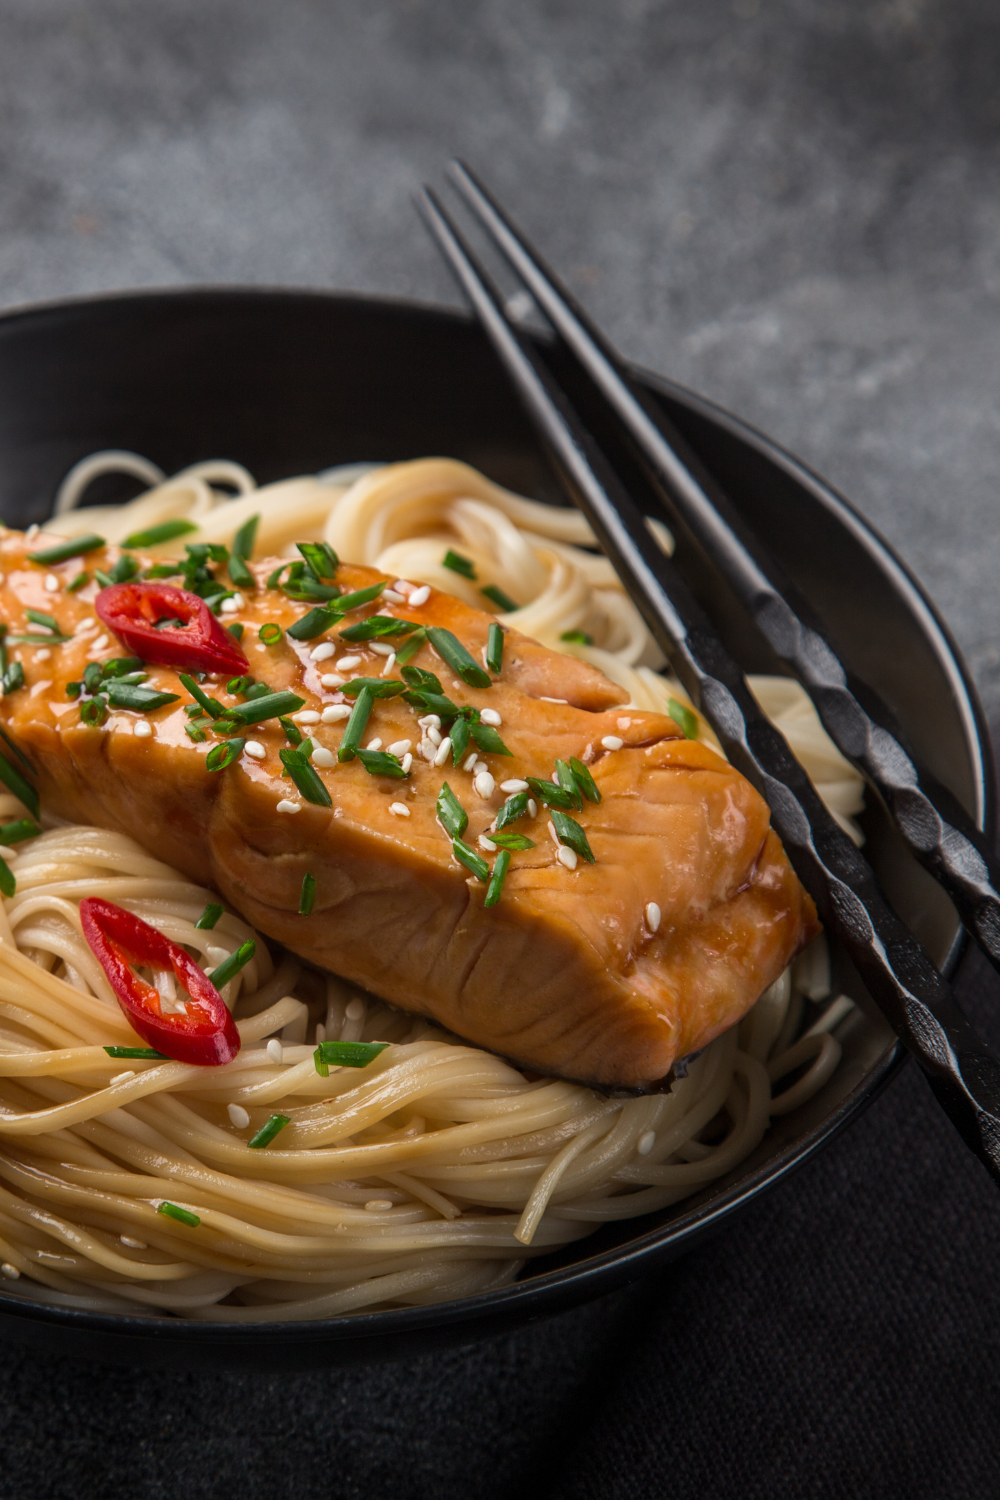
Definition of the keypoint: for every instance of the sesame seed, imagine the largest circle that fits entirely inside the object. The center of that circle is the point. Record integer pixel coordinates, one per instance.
(336, 713)
(133, 1244)
(100, 644)
(393, 597)
(43, 655)
(612, 742)
(487, 844)
(402, 587)
(553, 700)
(275, 1051)
(238, 600)
(624, 724)
(406, 762)
(323, 652)
(567, 857)
(381, 648)
(259, 646)
(653, 916)
(255, 749)
(228, 607)
(390, 662)
(347, 662)
(321, 756)
(555, 778)
(238, 1116)
(419, 596)
(430, 721)
(143, 730)
(443, 751)
(51, 583)
(32, 532)
(427, 750)
(378, 1205)
(9, 1272)
(434, 733)
(484, 785)
(399, 809)
(375, 744)
(646, 1142)
(399, 747)
(490, 716)
(354, 1010)
(123, 1077)
(532, 808)
(514, 785)
(552, 832)
(332, 680)
(470, 762)
(289, 807)
(307, 716)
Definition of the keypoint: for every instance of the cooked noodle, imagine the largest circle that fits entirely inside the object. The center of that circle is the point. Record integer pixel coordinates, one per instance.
(438, 1170)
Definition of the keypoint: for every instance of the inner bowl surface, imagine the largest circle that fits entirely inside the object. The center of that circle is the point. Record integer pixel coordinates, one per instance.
(294, 382)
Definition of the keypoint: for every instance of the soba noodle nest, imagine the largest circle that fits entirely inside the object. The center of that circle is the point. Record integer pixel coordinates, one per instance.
(438, 1170)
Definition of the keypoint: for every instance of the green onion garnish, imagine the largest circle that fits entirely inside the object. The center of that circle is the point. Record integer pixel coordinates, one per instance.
(35, 639)
(95, 712)
(240, 573)
(379, 687)
(121, 666)
(243, 541)
(13, 745)
(13, 678)
(270, 634)
(494, 649)
(92, 676)
(164, 570)
(237, 685)
(212, 708)
(256, 710)
(213, 911)
(132, 695)
(497, 596)
(423, 681)
(182, 1215)
(305, 777)
(459, 564)
(500, 867)
(231, 966)
(63, 551)
(236, 629)
(145, 1054)
(429, 703)
(347, 602)
(515, 842)
(266, 1133)
(125, 568)
(408, 650)
(345, 1055)
(356, 725)
(459, 736)
(515, 807)
(451, 650)
(471, 860)
(550, 794)
(577, 637)
(568, 783)
(685, 720)
(196, 733)
(273, 579)
(154, 535)
(39, 617)
(377, 626)
(320, 558)
(380, 763)
(451, 814)
(15, 782)
(16, 833)
(308, 590)
(8, 885)
(571, 834)
(488, 739)
(314, 623)
(221, 756)
(584, 780)
(293, 733)
(79, 582)
(307, 895)
(254, 690)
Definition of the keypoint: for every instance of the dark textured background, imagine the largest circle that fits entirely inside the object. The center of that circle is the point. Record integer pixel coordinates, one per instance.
(792, 206)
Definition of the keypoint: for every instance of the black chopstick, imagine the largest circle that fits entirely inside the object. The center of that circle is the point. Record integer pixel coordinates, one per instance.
(931, 820)
(916, 1000)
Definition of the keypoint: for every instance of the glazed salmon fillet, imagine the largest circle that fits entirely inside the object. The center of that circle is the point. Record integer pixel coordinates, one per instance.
(564, 974)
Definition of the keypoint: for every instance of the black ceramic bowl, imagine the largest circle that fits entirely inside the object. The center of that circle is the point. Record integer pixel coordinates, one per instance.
(293, 382)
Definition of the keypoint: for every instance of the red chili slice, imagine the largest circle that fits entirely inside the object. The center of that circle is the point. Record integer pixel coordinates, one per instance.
(207, 1034)
(199, 644)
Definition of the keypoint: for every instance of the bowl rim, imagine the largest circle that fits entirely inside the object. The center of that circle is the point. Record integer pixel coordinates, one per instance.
(552, 1291)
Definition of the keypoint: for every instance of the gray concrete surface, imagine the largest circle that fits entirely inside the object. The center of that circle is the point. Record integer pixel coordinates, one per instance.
(790, 205)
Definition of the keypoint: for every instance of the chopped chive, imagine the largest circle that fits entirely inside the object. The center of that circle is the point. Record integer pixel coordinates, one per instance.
(95, 711)
(270, 633)
(13, 745)
(92, 675)
(347, 602)
(320, 558)
(254, 690)
(578, 637)
(143, 1053)
(379, 687)
(515, 807)
(8, 885)
(231, 966)
(240, 573)
(63, 551)
(16, 833)
(163, 570)
(236, 629)
(125, 568)
(33, 638)
(314, 623)
(196, 733)
(15, 782)
(356, 725)
(429, 703)
(451, 650)
(132, 695)
(121, 666)
(416, 677)
(488, 739)
(380, 763)
(182, 1215)
(685, 720)
(568, 783)
(154, 535)
(308, 590)
(345, 1055)
(79, 582)
(223, 755)
(307, 895)
(39, 617)
(497, 596)
(471, 860)
(293, 733)
(13, 678)
(459, 736)
(515, 842)
(238, 685)
(408, 650)
(305, 777)
(273, 579)
(459, 564)
(571, 834)
(584, 780)
(266, 1133)
(213, 709)
(213, 911)
(550, 794)
(243, 541)
(376, 627)
(500, 867)
(451, 814)
(257, 710)
(494, 649)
